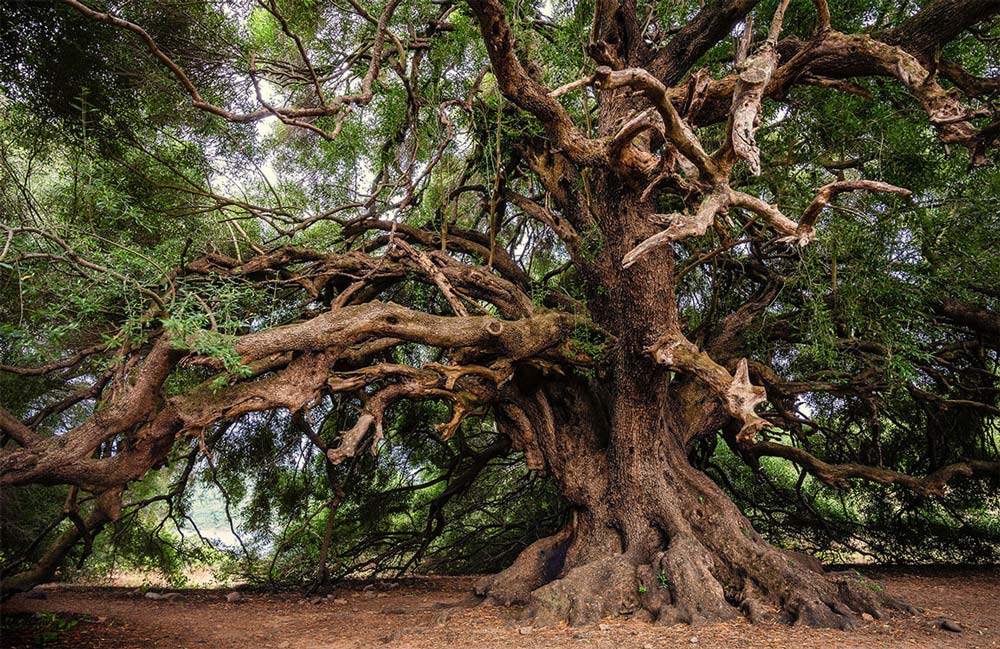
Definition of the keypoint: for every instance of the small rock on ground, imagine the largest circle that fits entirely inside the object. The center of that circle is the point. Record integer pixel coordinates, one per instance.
(234, 597)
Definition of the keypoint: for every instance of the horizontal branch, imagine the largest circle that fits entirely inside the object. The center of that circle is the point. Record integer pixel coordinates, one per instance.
(838, 475)
(343, 327)
(300, 359)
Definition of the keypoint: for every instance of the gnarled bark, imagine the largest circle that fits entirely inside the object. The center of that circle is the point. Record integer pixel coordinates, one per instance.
(662, 541)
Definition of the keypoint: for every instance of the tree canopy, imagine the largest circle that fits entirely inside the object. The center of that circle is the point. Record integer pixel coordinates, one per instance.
(417, 285)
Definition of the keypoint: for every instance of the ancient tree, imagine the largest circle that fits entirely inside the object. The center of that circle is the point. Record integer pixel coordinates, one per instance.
(610, 229)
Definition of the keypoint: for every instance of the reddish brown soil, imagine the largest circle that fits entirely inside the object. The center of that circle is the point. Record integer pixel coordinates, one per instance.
(440, 613)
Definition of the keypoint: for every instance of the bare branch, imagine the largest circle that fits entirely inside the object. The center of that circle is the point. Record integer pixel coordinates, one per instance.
(681, 227)
(828, 192)
(435, 273)
(753, 79)
(675, 129)
(294, 116)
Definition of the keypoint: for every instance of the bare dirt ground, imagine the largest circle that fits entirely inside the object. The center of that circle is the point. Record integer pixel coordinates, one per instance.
(440, 613)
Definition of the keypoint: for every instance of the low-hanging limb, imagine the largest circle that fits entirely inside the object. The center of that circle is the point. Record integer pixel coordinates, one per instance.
(839, 475)
(106, 508)
(320, 341)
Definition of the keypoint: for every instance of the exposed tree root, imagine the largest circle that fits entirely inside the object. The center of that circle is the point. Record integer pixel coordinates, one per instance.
(589, 593)
(536, 566)
(686, 568)
(686, 583)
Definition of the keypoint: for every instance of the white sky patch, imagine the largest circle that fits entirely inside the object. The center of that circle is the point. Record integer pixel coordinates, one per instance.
(269, 93)
(546, 9)
(780, 115)
(208, 511)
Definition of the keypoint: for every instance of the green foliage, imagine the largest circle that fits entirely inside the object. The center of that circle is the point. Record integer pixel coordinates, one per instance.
(868, 523)
(54, 627)
(103, 151)
(28, 515)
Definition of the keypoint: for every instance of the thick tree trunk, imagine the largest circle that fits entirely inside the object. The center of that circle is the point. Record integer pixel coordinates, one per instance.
(661, 541)
(651, 535)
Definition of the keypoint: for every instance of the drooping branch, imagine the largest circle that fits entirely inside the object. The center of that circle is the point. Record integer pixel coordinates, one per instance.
(458, 239)
(437, 276)
(753, 79)
(839, 475)
(429, 382)
(66, 363)
(561, 226)
(300, 358)
(107, 507)
(320, 268)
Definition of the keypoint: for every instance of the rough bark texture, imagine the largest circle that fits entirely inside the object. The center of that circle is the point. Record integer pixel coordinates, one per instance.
(662, 541)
